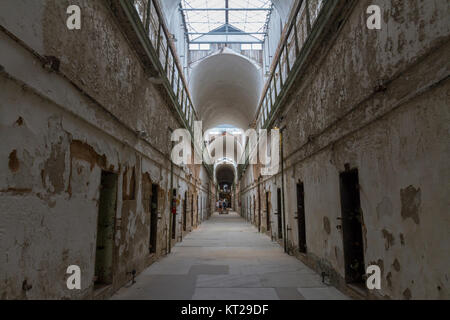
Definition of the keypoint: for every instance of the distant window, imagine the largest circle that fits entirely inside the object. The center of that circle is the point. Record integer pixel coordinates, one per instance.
(251, 46)
(199, 46)
(194, 46)
(257, 46)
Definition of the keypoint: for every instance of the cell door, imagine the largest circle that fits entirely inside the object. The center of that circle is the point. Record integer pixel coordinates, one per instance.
(185, 212)
(174, 215)
(301, 223)
(154, 219)
(259, 210)
(254, 210)
(105, 228)
(352, 227)
(192, 210)
(268, 224)
(279, 217)
(197, 212)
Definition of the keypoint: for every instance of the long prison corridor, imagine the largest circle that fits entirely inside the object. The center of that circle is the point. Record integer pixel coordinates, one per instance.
(224, 149)
(228, 259)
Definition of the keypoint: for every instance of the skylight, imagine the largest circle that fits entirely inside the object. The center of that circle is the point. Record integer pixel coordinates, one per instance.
(241, 21)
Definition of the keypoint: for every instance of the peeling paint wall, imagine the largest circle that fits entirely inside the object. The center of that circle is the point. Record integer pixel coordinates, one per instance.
(60, 126)
(377, 101)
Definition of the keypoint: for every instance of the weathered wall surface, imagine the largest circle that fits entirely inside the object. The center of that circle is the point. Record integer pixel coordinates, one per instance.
(379, 102)
(60, 127)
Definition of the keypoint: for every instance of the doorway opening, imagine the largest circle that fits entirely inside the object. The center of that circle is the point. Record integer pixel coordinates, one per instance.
(196, 216)
(259, 209)
(249, 209)
(192, 210)
(174, 214)
(185, 212)
(301, 222)
(154, 219)
(201, 209)
(352, 227)
(105, 229)
(254, 210)
(280, 224)
(267, 212)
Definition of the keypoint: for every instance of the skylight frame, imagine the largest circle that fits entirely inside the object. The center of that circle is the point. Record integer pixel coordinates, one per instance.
(205, 17)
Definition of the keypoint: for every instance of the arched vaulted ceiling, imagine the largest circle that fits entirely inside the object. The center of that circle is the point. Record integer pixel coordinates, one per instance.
(226, 88)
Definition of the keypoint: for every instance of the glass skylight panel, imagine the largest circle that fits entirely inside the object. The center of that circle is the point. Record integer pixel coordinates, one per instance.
(250, 21)
(199, 22)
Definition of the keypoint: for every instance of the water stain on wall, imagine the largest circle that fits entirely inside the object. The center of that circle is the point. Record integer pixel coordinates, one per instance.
(411, 200)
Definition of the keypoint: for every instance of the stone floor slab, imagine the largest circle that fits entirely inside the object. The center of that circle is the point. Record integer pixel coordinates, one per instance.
(228, 281)
(226, 258)
(235, 294)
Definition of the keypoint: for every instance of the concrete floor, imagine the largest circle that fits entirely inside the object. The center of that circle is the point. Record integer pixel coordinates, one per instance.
(227, 259)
